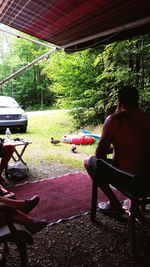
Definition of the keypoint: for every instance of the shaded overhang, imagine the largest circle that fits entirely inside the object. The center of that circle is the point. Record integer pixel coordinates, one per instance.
(76, 25)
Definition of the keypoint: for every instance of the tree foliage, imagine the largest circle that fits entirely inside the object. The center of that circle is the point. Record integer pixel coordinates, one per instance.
(31, 87)
(86, 81)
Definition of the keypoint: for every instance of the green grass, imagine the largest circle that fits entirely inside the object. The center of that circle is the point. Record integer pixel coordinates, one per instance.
(44, 125)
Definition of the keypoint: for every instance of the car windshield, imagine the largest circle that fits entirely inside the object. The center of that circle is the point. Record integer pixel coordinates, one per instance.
(6, 102)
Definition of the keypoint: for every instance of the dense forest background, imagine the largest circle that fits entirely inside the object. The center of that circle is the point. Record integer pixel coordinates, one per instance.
(85, 81)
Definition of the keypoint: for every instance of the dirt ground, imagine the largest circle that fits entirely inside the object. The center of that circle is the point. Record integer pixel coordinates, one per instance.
(80, 243)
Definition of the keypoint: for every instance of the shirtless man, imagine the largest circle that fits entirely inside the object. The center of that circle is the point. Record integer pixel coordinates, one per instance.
(126, 134)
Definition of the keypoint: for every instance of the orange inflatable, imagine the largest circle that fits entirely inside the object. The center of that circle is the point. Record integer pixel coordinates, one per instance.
(77, 139)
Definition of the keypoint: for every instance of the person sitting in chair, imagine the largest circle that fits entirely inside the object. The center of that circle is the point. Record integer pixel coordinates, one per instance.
(23, 207)
(126, 134)
(6, 152)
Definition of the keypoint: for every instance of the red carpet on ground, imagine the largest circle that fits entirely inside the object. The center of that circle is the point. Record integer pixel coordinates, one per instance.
(60, 197)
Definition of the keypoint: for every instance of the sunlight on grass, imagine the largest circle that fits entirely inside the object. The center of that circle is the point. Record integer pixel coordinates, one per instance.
(51, 124)
(46, 124)
(66, 160)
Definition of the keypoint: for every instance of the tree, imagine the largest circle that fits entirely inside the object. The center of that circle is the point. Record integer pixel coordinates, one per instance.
(73, 79)
(89, 80)
(31, 88)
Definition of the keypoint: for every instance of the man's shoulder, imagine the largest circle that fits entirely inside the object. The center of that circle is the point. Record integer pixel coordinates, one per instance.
(113, 117)
(111, 120)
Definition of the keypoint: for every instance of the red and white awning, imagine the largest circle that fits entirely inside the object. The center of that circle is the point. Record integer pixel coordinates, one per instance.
(77, 24)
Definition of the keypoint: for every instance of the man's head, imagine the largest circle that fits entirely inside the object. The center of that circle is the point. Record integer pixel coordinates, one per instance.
(128, 97)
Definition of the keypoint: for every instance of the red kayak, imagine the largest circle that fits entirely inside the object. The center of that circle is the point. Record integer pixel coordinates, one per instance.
(77, 139)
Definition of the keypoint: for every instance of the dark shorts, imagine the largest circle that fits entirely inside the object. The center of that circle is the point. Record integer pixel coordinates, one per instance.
(96, 168)
(131, 184)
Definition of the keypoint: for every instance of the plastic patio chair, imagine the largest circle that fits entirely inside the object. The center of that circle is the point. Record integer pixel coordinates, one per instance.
(138, 199)
(14, 232)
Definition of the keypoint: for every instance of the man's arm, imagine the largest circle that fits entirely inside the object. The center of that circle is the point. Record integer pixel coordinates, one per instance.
(104, 146)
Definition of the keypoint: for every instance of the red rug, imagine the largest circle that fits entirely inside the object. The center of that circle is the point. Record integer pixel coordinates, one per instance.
(60, 197)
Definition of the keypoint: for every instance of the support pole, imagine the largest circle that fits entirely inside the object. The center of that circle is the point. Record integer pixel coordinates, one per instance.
(12, 76)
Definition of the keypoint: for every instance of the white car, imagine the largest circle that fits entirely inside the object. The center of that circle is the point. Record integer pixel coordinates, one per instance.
(12, 115)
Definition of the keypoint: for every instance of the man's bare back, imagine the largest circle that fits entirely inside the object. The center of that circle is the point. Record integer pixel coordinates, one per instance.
(129, 133)
(130, 138)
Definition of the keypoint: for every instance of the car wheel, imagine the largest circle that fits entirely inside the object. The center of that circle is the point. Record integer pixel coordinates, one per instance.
(23, 129)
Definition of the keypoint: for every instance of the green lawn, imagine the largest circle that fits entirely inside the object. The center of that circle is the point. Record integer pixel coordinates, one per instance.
(44, 125)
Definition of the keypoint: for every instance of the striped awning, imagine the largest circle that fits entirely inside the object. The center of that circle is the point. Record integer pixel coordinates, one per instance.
(77, 24)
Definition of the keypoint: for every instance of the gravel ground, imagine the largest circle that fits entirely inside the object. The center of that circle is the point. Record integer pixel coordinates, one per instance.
(78, 242)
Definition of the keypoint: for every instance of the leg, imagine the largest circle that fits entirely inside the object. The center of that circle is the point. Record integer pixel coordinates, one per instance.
(6, 193)
(23, 205)
(18, 204)
(32, 225)
(8, 150)
(22, 218)
(93, 171)
(115, 203)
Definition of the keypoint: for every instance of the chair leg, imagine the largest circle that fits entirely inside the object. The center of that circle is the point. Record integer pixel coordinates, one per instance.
(23, 253)
(143, 205)
(132, 227)
(94, 201)
(6, 249)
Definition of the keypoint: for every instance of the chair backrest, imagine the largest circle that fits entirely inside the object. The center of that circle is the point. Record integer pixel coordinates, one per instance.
(127, 184)
(111, 169)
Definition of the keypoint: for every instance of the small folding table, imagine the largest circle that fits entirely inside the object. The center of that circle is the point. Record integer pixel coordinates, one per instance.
(20, 147)
(18, 154)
